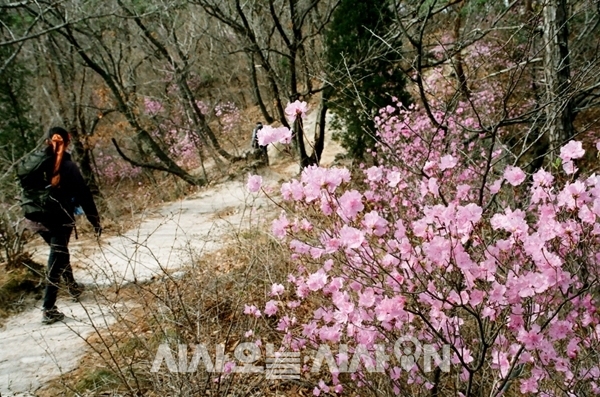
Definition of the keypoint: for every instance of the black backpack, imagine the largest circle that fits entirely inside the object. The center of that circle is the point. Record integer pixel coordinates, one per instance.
(34, 173)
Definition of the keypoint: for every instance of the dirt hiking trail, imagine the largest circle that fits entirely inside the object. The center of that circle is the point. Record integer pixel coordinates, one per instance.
(31, 354)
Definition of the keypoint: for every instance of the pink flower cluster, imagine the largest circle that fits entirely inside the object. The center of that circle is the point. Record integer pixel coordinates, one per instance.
(112, 167)
(295, 109)
(268, 135)
(254, 183)
(447, 240)
(229, 116)
(571, 151)
(436, 249)
(152, 106)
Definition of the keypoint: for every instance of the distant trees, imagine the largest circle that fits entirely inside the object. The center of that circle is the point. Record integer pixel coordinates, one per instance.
(538, 60)
(18, 130)
(528, 62)
(283, 46)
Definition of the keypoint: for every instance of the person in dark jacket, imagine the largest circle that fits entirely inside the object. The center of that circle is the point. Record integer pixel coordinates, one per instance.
(70, 190)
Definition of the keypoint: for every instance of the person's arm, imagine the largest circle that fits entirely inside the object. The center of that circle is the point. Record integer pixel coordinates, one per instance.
(83, 195)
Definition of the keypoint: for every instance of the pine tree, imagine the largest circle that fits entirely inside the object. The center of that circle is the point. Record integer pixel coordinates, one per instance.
(363, 69)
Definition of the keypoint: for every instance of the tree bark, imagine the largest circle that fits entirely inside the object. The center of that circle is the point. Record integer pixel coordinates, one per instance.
(559, 108)
(84, 158)
(299, 139)
(256, 91)
(458, 59)
(315, 158)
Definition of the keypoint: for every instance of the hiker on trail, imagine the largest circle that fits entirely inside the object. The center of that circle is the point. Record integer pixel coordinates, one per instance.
(69, 190)
(256, 145)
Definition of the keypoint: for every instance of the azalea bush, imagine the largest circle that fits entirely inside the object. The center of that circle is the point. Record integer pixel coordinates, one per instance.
(112, 168)
(449, 243)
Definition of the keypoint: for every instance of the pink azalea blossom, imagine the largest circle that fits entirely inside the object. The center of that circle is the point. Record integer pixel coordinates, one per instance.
(367, 298)
(572, 150)
(323, 386)
(270, 308)
(375, 174)
(514, 175)
(292, 190)
(374, 223)
(543, 178)
(317, 280)
(532, 338)
(268, 135)
(529, 386)
(254, 183)
(586, 215)
(495, 187)
(335, 177)
(251, 310)
(228, 367)
(279, 226)
(393, 178)
(343, 303)
(448, 162)
(433, 187)
(560, 330)
(569, 167)
(331, 334)
(390, 308)
(277, 289)
(500, 359)
(351, 237)
(295, 109)
(350, 204)
(462, 192)
(153, 107)
(511, 221)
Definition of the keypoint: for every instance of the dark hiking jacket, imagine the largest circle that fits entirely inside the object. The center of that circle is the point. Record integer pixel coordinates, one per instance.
(71, 192)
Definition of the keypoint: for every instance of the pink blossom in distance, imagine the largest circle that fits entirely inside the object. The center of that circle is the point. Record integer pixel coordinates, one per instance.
(254, 183)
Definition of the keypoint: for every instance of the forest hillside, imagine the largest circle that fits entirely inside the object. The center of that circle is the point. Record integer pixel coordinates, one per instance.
(326, 197)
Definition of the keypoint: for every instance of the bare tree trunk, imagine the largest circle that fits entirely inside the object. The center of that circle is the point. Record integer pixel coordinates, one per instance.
(315, 158)
(458, 60)
(303, 158)
(256, 91)
(559, 109)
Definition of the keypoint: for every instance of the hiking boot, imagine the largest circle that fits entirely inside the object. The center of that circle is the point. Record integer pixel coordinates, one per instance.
(75, 290)
(51, 316)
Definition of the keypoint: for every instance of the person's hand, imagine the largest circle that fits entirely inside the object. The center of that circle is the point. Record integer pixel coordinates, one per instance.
(98, 231)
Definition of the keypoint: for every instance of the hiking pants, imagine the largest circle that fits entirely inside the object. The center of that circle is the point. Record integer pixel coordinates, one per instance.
(59, 262)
